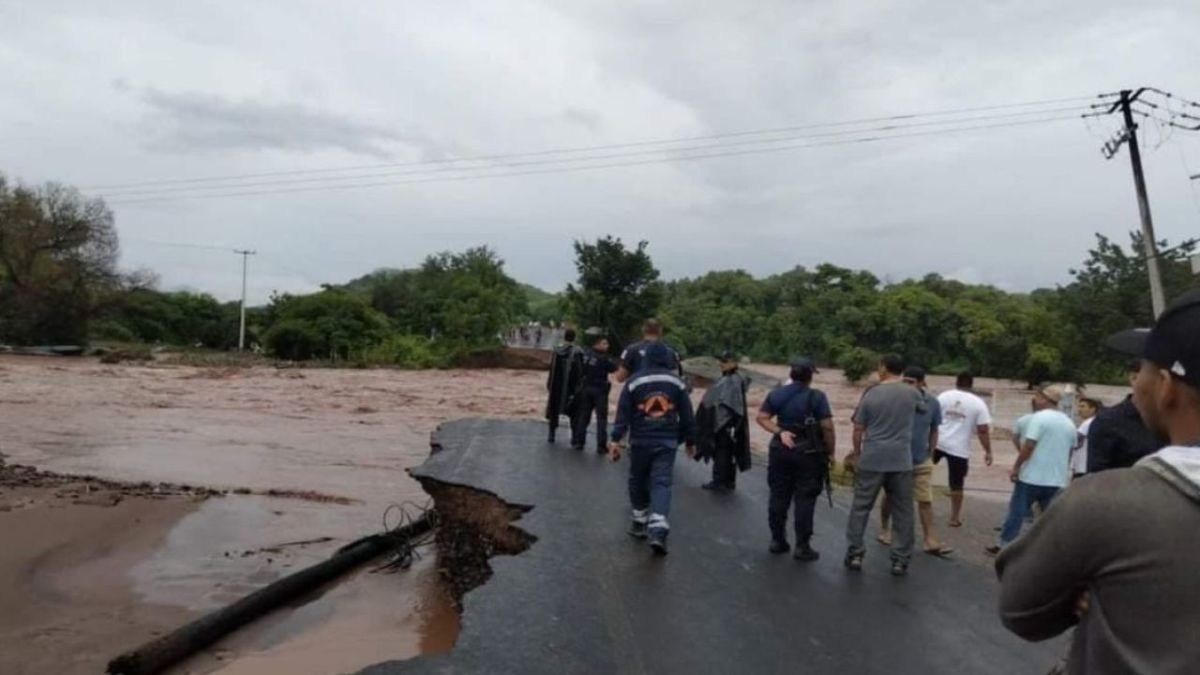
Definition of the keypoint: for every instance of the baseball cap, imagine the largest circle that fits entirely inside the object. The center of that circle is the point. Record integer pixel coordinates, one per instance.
(1052, 392)
(803, 364)
(914, 373)
(728, 355)
(1174, 341)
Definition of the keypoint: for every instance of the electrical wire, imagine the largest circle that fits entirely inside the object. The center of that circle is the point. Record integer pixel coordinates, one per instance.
(133, 192)
(587, 167)
(591, 148)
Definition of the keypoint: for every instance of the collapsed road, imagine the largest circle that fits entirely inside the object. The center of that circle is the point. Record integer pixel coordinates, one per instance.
(574, 594)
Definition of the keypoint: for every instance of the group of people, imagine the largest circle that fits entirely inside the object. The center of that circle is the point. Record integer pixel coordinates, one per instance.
(1110, 550)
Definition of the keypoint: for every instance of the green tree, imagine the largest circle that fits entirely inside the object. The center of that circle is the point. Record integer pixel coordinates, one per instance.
(333, 324)
(58, 250)
(617, 288)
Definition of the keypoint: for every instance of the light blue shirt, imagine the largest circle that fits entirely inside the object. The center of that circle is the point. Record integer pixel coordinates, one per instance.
(1053, 435)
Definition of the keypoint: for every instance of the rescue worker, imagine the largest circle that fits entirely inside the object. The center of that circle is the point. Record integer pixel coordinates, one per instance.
(723, 428)
(655, 410)
(802, 445)
(593, 392)
(566, 372)
(633, 355)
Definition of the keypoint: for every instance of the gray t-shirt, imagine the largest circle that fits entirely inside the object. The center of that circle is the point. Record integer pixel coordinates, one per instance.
(887, 411)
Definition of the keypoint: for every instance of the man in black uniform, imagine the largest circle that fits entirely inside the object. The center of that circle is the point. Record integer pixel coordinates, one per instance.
(802, 445)
(593, 394)
(723, 429)
(566, 371)
(633, 355)
(1118, 438)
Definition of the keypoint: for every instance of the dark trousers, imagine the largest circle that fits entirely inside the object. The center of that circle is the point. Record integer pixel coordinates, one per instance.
(793, 477)
(724, 468)
(589, 400)
(650, 477)
(898, 486)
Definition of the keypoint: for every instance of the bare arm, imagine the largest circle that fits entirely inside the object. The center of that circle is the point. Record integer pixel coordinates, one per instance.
(857, 442)
(767, 421)
(985, 439)
(829, 436)
(933, 437)
(1022, 456)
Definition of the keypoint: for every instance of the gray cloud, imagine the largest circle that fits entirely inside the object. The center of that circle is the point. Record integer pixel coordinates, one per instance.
(188, 121)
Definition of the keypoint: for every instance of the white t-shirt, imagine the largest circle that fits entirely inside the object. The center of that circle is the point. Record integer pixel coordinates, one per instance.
(962, 413)
(1079, 457)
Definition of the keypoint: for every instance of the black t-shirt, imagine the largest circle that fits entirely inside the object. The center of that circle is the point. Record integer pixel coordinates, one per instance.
(635, 353)
(596, 367)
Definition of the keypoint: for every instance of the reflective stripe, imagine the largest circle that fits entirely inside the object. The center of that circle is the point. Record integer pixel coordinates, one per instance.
(659, 522)
(639, 516)
(663, 377)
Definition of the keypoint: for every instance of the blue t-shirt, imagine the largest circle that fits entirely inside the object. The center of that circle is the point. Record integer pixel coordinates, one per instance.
(1053, 435)
(793, 403)
(928, 417)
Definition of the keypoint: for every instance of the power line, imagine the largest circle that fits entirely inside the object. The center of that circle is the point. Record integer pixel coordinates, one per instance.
(949, 124)
(176, 244)
(590, 148)
(585, 167)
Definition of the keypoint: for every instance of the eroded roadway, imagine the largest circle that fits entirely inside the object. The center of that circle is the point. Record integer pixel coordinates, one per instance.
(585, 598)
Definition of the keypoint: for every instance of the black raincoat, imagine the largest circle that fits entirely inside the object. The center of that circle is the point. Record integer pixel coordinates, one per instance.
(724, 407)
(566, 375)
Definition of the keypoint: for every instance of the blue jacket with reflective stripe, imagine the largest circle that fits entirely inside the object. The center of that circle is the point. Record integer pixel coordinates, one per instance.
(655, 409)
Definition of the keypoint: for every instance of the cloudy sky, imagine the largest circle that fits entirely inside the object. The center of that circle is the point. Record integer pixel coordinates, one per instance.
(325, 97)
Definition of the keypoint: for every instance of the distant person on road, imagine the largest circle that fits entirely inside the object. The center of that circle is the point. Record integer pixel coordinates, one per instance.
(655, 410)
(964, 415)
(633, 357)
(882, 459)
(1040, 472)
(566, 373)
(924, 437)
(593, 391)
(1118, 438)
(723, 426)
(1087, 408)
(802, 446)
(1116, 553)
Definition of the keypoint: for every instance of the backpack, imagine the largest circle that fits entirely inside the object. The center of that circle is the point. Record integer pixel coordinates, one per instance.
(809, 439)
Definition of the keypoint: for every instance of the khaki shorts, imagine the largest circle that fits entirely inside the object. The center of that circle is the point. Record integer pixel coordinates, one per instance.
(923, 482)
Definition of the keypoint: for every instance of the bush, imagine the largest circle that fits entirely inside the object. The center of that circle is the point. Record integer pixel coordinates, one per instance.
(293, 340)
(857, 363)
(405, 351)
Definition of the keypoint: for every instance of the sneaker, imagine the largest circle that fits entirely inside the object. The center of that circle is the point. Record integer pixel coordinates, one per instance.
(779, 546)
(658, 544)
(710, 485)
(806, 553)
(994, 549)
(637, 530)
(899, 569)
(578, 448)
(854, 562)
(550, 437)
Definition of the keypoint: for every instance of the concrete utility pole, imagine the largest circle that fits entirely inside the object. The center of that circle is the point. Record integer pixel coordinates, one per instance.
(1129, 133)
(245, 253)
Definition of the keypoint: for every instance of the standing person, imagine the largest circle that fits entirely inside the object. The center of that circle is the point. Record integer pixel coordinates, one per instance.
(1040, 471)
(1118, 438)
(593, 392)
(633, 355)
(1117, 553)
(655, 410)
(882, 459)
(723, 429)
(802, 446)
(924, 438)
(566, 370)
(964, 415)
(1088, 408)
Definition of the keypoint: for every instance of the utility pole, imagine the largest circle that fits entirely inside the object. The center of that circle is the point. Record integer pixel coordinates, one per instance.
(1129, 134)
(245, 253)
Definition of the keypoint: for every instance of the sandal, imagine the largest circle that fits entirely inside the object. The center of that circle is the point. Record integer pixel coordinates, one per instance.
(940, 551)
(955, 523)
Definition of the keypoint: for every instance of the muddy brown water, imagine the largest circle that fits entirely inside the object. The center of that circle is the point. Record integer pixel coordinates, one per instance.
(340, 433)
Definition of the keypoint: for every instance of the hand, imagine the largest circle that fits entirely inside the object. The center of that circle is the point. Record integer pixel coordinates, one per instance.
(691, 451)
(987, 458)
(1012, 475)
(1083, 604)
(614, 452)
(788, 439)
(851, 461)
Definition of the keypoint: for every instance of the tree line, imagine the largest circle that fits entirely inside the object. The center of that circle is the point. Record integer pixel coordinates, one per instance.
(59, 284)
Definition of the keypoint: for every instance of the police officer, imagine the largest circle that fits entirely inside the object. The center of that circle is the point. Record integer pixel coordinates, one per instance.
(802, 443)
(562, 384)
(655, 409)
(633, 357)
(593, 394)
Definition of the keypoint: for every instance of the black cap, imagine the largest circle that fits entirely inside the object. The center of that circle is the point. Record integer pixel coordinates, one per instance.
(1174, 341)
(915, 373)
(801, 365)
(727, 356)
